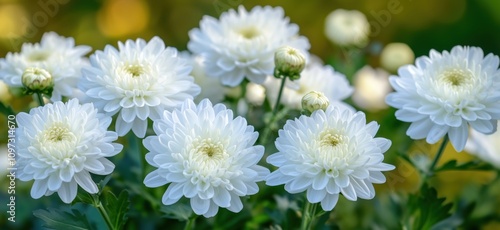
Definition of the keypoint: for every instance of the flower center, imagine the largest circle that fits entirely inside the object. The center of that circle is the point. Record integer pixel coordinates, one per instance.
(57, 146)
(334, 153)
(331, 140)
(135, 70)
(208, 148)
(249, 32)
(208, 158)
(58, 133)
(456, 77)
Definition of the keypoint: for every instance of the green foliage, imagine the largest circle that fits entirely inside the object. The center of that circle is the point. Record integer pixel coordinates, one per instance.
(64, 218)
(116, 207)
(471, 165)
(426, 209)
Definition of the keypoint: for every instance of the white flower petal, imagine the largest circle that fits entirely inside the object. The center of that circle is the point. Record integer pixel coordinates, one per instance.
(200, 206)
(329, 202)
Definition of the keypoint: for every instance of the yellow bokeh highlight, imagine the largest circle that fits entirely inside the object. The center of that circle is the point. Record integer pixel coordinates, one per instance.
(120, 18)
(11, 23)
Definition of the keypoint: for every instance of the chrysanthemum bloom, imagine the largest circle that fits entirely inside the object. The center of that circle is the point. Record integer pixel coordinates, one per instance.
(445, 93)
(242, 44)
(329, 153)
(139, 80)
(486, 147)
(347, 28)
(315, 77)
(206, 156)
(55, 54)
(60, 144)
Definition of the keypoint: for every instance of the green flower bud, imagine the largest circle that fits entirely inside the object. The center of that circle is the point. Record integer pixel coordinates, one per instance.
(288, 62)
(313, 101)
(37, 80)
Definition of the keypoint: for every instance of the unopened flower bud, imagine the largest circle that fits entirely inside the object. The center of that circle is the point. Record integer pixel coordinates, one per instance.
(313, 101)
(37, 80)
(288, 62)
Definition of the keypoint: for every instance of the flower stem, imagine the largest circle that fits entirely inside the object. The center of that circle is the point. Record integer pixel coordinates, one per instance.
(39, 98)
(308, 215)
(267, 129)
(97, 204)
(278, 100)
(190, 223)
(438, 154)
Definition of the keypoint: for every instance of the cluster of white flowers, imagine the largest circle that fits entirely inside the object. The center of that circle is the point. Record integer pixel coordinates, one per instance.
(206, 154)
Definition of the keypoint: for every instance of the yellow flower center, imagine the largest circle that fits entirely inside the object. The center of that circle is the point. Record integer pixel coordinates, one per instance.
(135, 70)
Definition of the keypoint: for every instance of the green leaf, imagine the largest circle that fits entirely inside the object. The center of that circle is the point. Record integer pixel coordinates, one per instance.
(6, 110)
(471, 165)
(116, 207)
(180, 211)
(63, 218)
(426, 209)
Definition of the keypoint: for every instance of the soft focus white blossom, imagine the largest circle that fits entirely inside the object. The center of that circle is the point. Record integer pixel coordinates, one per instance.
(60, 144)
(448, 92)
(371, 87)
(315, 77)
(395, 55)
(139, 81)
(241, 44)
(486, 147)
(347, 28)
(255, 94)
(329, 153)
(211, 88)
(206, 155)
(56, 54)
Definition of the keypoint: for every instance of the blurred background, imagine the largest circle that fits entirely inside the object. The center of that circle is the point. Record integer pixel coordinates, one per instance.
(421, 24)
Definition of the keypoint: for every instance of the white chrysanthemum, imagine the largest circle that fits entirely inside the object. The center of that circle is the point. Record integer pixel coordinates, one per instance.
(329, 153)
(486, 147)
(60, 144)
(56, 54)
(315, 77)
(206, 156)
(242, 44)
(371, 88)
(139, 80)
(211, 88)
(445, 93)
(347, 28)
